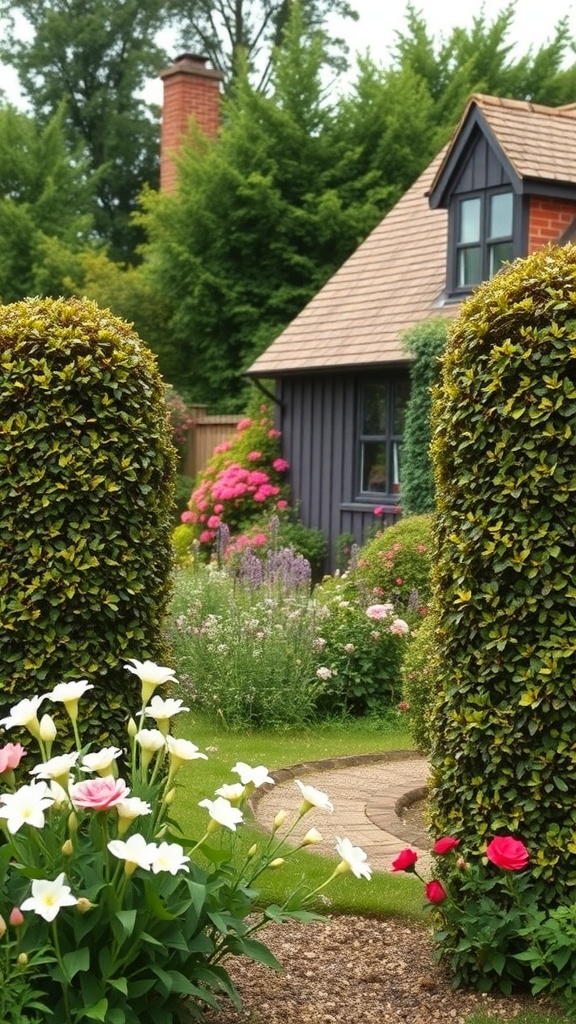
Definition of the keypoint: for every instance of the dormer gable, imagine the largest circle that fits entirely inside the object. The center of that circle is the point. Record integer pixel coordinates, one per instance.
(508, 182)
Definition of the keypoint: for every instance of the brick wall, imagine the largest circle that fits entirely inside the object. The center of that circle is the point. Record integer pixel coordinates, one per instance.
(190, 90)
(548, 220)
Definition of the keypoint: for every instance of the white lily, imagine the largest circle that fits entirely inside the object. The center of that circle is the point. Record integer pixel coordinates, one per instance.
(170, 857)
(150, 675)
(312, 797)
(26, 806)
(222, 813)
(252, 776)
(101, 761)
(25, 714)
(135, 851)
(353, 859)
(48, 897)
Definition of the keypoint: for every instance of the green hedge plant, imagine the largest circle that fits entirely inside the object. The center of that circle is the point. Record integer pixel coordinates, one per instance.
(505, 572)
(86, 500)
(420, 683)
(425, 343)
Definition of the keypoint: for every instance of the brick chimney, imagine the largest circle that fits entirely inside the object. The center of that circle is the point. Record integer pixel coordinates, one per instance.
(190, 90)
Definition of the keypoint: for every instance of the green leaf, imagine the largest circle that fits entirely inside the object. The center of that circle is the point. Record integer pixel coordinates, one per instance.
(256, 951)
(96, 1012)
(77, 960)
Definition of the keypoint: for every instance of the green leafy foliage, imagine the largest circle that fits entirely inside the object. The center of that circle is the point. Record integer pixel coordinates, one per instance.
(271, 209)
(503, 451)
(46, 205)
(551, 955)
(86, 499)
(420, 683)
(395, 566)
(358, 657)
(425, 343)
(91, 58)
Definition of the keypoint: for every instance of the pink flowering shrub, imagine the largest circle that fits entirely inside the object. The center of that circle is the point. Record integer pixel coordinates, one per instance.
(243, 482)
(394, 567)
(180, 416)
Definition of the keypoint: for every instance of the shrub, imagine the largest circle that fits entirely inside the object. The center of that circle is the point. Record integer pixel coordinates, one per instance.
(504, 578)
(420, 683)
(86, 496)
(395, 566)
(425, 343)
(359, 652)
(242, 481)
(183, 541)
(180, 417)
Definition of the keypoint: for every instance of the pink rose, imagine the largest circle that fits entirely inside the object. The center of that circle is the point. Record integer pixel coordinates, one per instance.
(280, 465)
(213, 522)
(244, 424)
(187, 517)
(10, 756)
(99, 794)
(508, 853)
(281, 504)
(435, 892)
(399, 627)
(405, 860)
(379, 511)
(379, 611)
(445, 844)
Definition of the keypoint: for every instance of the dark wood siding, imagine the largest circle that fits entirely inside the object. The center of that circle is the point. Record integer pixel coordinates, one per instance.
(482, 169)
(318, 417)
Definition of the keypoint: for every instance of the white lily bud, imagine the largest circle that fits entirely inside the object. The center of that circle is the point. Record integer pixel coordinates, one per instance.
(47, 729)
(279, 820)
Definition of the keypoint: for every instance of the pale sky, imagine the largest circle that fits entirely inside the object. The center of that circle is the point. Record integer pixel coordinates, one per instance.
(534, 24)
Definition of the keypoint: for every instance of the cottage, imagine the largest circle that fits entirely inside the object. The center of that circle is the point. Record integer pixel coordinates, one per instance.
(504, 187)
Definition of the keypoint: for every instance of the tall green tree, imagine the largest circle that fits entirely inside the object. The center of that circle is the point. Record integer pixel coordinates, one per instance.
(46, 199)
(398, 116)
(260, 219)
(95, 57)
(236, 33)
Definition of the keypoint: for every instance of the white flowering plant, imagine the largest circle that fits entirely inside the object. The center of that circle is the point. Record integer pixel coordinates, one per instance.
(359, 650)
(108, 913)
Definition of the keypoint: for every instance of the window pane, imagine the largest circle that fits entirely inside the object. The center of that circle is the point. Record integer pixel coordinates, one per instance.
(399, 398)
(469, 221)
(499, 253)
(500, 220)
(374, 467)
(469, 267)
(396, 449)
(375, 408)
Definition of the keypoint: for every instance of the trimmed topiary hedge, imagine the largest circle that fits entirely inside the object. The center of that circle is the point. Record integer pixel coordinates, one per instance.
(505, 572)
(86, 501)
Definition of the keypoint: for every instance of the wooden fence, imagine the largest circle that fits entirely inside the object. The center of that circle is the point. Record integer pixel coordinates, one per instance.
(203, 436)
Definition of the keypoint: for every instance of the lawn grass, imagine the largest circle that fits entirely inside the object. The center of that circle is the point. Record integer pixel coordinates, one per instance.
(385, 895)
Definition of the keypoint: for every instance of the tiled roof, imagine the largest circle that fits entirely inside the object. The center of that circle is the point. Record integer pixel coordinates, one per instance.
(395, 279)
(538, 141)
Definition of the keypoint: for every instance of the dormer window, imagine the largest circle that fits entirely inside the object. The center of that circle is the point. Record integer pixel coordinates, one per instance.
(484, 236)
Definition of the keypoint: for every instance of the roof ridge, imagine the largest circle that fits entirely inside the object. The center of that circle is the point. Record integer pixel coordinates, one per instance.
(484, 100)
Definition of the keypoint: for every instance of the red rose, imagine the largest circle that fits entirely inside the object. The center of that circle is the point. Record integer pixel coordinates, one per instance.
(435, 892)
(508, 853)
(445, 845)
(405, 860)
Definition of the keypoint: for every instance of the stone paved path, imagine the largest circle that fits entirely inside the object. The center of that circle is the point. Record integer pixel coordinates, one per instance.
(367, 793)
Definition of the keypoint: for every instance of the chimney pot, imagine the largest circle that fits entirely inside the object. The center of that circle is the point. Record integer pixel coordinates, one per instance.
(191, 90)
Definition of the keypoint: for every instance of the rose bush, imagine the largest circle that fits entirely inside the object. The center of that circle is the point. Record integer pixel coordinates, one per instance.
(110, 916)
(486, 921)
